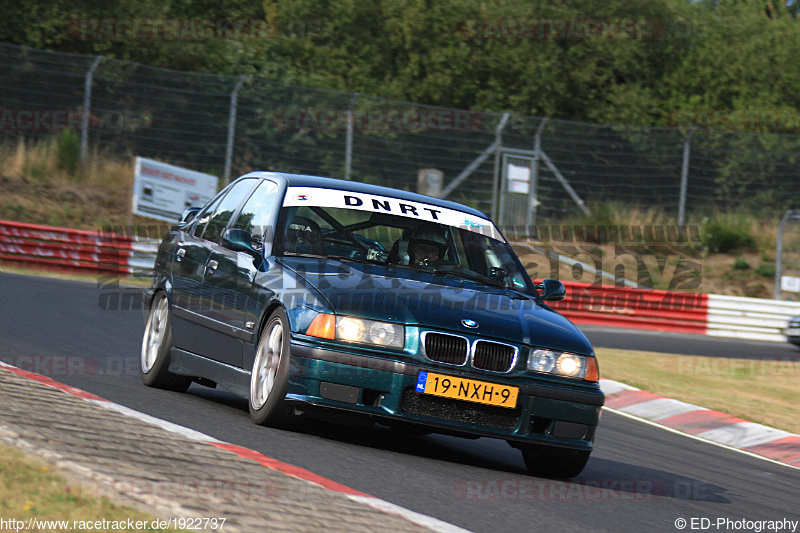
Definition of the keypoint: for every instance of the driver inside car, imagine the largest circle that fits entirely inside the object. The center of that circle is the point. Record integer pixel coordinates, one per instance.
(427, 249)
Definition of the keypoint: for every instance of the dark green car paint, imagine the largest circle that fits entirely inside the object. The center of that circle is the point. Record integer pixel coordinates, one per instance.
(217, 318)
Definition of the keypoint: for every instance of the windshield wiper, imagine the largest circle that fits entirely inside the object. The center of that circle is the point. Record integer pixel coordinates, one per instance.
(354, 259)
(301, 254)
(469, 276)
(340, 257)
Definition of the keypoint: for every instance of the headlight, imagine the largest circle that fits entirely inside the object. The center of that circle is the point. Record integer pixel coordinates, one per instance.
(571, 365)
(386, 334)
(563, 364)
(351, 329)
(542, 361)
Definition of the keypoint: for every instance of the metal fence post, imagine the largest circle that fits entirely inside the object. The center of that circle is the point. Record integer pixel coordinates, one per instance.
(779, 255)
(348, 144)
(226, 176)
(87, 104)
(687, 147)
(533, 196)
(498, 142)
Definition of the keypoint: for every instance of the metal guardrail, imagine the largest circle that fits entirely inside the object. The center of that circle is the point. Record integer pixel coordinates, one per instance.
(73, 250)
(749, 318)
(707, 314)
(681, 312)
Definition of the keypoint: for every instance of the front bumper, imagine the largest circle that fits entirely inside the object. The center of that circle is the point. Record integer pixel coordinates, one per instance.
(546, 413)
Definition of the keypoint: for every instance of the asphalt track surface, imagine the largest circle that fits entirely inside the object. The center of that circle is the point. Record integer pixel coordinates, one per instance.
(687, 344)
(640, 478)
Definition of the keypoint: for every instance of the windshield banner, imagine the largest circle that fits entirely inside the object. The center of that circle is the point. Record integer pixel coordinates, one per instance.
(317, 197)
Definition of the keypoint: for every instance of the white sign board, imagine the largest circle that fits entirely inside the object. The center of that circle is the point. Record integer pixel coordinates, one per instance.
(519, 179)
(790, 284)
(163, 191)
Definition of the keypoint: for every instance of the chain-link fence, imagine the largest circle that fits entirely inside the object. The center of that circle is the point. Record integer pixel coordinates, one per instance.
(787, 255)
(228, 125)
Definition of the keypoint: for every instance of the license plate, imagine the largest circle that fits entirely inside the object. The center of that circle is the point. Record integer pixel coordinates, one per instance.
(469, 390)
(792, 332)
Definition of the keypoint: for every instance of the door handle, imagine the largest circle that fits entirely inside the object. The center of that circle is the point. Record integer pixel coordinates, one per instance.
(212, 266)
(181, 252)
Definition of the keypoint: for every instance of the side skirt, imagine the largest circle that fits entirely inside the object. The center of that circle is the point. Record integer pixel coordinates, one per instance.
(230, 378)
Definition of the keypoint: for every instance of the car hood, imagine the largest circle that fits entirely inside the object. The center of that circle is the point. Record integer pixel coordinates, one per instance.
(411, 297)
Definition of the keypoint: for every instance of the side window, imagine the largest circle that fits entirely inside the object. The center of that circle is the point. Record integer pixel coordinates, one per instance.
(258, 211)
(224, 211)
(205, 215)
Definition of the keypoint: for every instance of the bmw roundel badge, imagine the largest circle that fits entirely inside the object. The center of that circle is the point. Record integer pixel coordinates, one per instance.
(468, 323)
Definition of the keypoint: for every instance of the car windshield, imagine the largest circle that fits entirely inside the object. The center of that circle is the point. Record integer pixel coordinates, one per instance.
(393, 236)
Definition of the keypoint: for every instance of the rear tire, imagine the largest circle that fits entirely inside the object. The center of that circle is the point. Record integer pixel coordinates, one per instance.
(558, 463)
(269, 378)
(157, 344)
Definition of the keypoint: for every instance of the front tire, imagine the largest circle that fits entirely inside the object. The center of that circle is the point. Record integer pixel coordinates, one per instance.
(558, 463)
(157, 344)
(269, 378)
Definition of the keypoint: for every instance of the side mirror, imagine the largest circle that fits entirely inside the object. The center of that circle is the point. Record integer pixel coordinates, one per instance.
(552, 290)
(240, 240)
(188, 214)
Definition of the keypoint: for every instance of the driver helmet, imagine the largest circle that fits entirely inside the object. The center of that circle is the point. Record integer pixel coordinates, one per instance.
(427, 248)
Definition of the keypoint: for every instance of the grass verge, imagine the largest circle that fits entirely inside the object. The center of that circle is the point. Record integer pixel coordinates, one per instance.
(759, 391)
(29, 488)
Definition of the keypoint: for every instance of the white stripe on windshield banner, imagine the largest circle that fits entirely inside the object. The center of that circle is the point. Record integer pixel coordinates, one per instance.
(359, 201)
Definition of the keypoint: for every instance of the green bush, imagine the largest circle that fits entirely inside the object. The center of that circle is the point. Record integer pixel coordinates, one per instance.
(740, 264)
(69, 151)
(35, 171)
(604, 214)
(726, 234)
(766, 269)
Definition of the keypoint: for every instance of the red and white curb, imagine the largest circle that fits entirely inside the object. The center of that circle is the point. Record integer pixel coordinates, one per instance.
(290, 470)
(719, 428)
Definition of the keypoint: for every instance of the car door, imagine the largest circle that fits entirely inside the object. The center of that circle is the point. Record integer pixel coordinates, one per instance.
(230, 275)
(188, 272)
(213, 337)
